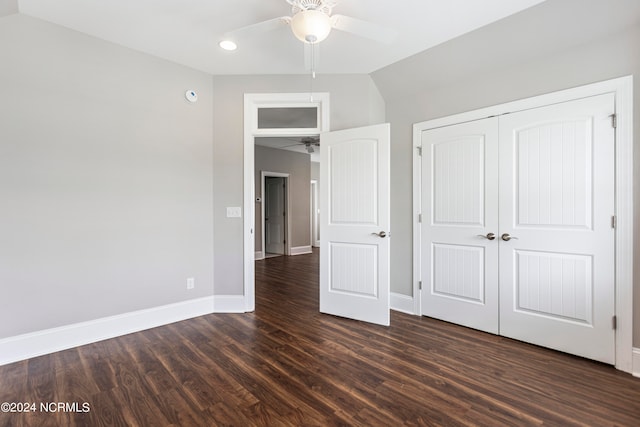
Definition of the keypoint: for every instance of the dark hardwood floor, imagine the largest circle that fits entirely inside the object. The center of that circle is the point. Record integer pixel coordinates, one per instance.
(288, 365)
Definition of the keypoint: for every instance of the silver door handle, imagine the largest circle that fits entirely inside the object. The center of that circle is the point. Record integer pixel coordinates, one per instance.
(489, 236)
(381, 234)
(506, 237)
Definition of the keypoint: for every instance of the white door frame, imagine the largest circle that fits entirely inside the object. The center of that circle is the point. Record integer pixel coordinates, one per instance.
(623, 89)
(287, 208)
(252, 102)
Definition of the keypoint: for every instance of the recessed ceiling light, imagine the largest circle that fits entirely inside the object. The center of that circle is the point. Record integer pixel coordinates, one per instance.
(228, 45)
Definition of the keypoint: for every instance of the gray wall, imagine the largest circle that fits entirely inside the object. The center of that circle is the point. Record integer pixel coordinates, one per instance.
(8, 7)
(298, 166)
(106, 180)
(355, 101)
(544, 49)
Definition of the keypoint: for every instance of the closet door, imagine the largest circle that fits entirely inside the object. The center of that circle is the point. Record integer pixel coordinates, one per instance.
(557, 241)
(460, 224)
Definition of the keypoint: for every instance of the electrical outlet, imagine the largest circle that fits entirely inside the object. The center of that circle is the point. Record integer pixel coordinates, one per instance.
(191, 283)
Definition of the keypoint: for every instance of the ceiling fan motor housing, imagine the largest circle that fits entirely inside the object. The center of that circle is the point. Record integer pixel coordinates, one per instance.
(324, 6)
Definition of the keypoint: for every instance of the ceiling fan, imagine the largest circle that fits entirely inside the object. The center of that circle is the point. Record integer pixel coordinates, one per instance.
(310, 143)
(311, 22)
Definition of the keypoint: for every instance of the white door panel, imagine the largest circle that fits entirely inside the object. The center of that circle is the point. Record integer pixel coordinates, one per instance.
(557, 198)
(460, 205)
(354, 259)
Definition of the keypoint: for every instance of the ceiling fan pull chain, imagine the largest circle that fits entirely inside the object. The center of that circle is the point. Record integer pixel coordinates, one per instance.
(313, 71)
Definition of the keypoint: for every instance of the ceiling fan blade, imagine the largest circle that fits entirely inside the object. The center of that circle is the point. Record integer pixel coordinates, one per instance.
(260, 27)
(363, 28)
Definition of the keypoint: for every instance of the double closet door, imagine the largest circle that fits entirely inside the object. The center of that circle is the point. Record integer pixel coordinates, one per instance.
(517, 235)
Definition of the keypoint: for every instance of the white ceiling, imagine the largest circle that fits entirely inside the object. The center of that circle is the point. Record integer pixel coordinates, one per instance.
(188, 32)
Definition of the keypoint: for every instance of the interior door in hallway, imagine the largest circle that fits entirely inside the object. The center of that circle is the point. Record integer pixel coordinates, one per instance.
(460, 224)
(274, 218)
(557, 254)
(354, 223)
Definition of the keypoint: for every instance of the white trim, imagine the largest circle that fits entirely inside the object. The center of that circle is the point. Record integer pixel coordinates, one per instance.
(636, 362)
(623, 89)
(258, 255)
(417, 227)
(402, 303)
(301, 250)
(249, 206)
(47, 341)
(287, 228)
(252, 101)
(229, 304)
(624, 222)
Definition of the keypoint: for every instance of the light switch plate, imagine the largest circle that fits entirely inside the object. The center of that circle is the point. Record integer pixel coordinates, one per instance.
(234, 212)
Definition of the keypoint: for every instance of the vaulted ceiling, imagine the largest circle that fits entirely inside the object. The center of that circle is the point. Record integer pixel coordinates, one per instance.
(188, 32)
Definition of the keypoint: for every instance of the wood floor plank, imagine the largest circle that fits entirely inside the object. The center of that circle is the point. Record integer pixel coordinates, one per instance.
(286, 364)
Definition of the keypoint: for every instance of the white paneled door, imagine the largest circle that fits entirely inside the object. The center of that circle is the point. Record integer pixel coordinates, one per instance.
(557, 240)
(460, 224)
(354, 223)
(517, 234)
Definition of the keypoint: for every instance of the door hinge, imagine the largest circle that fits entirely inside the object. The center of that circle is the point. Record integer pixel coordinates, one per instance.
(614, 120)
(420, 284)
(419, 150)
(420, 218)
(614, 322)
(613, 221)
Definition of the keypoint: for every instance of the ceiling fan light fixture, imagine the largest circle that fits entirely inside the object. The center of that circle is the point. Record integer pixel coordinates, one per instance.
(228, 45)
(311, 26)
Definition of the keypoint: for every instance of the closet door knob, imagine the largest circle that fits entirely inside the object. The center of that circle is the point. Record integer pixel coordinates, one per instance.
(506, 237)
(489, 236)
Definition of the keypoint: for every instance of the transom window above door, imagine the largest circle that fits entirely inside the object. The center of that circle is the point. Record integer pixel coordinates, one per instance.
(288, 117)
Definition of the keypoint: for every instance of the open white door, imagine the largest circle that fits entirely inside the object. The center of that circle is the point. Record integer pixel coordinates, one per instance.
(354, 223)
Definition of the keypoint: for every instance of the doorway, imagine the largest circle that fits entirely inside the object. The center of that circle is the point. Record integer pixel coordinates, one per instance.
(275, 214)
(307, 116)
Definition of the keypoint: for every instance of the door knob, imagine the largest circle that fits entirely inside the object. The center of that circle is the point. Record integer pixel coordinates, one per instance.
(489, 236)
(506, 237)
(382, 234)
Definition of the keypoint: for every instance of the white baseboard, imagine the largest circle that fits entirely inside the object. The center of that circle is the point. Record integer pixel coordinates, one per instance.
(26, 346)
(636, 362)
(258, 255)
(229, 304)
(301, 250)
(402, 303)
